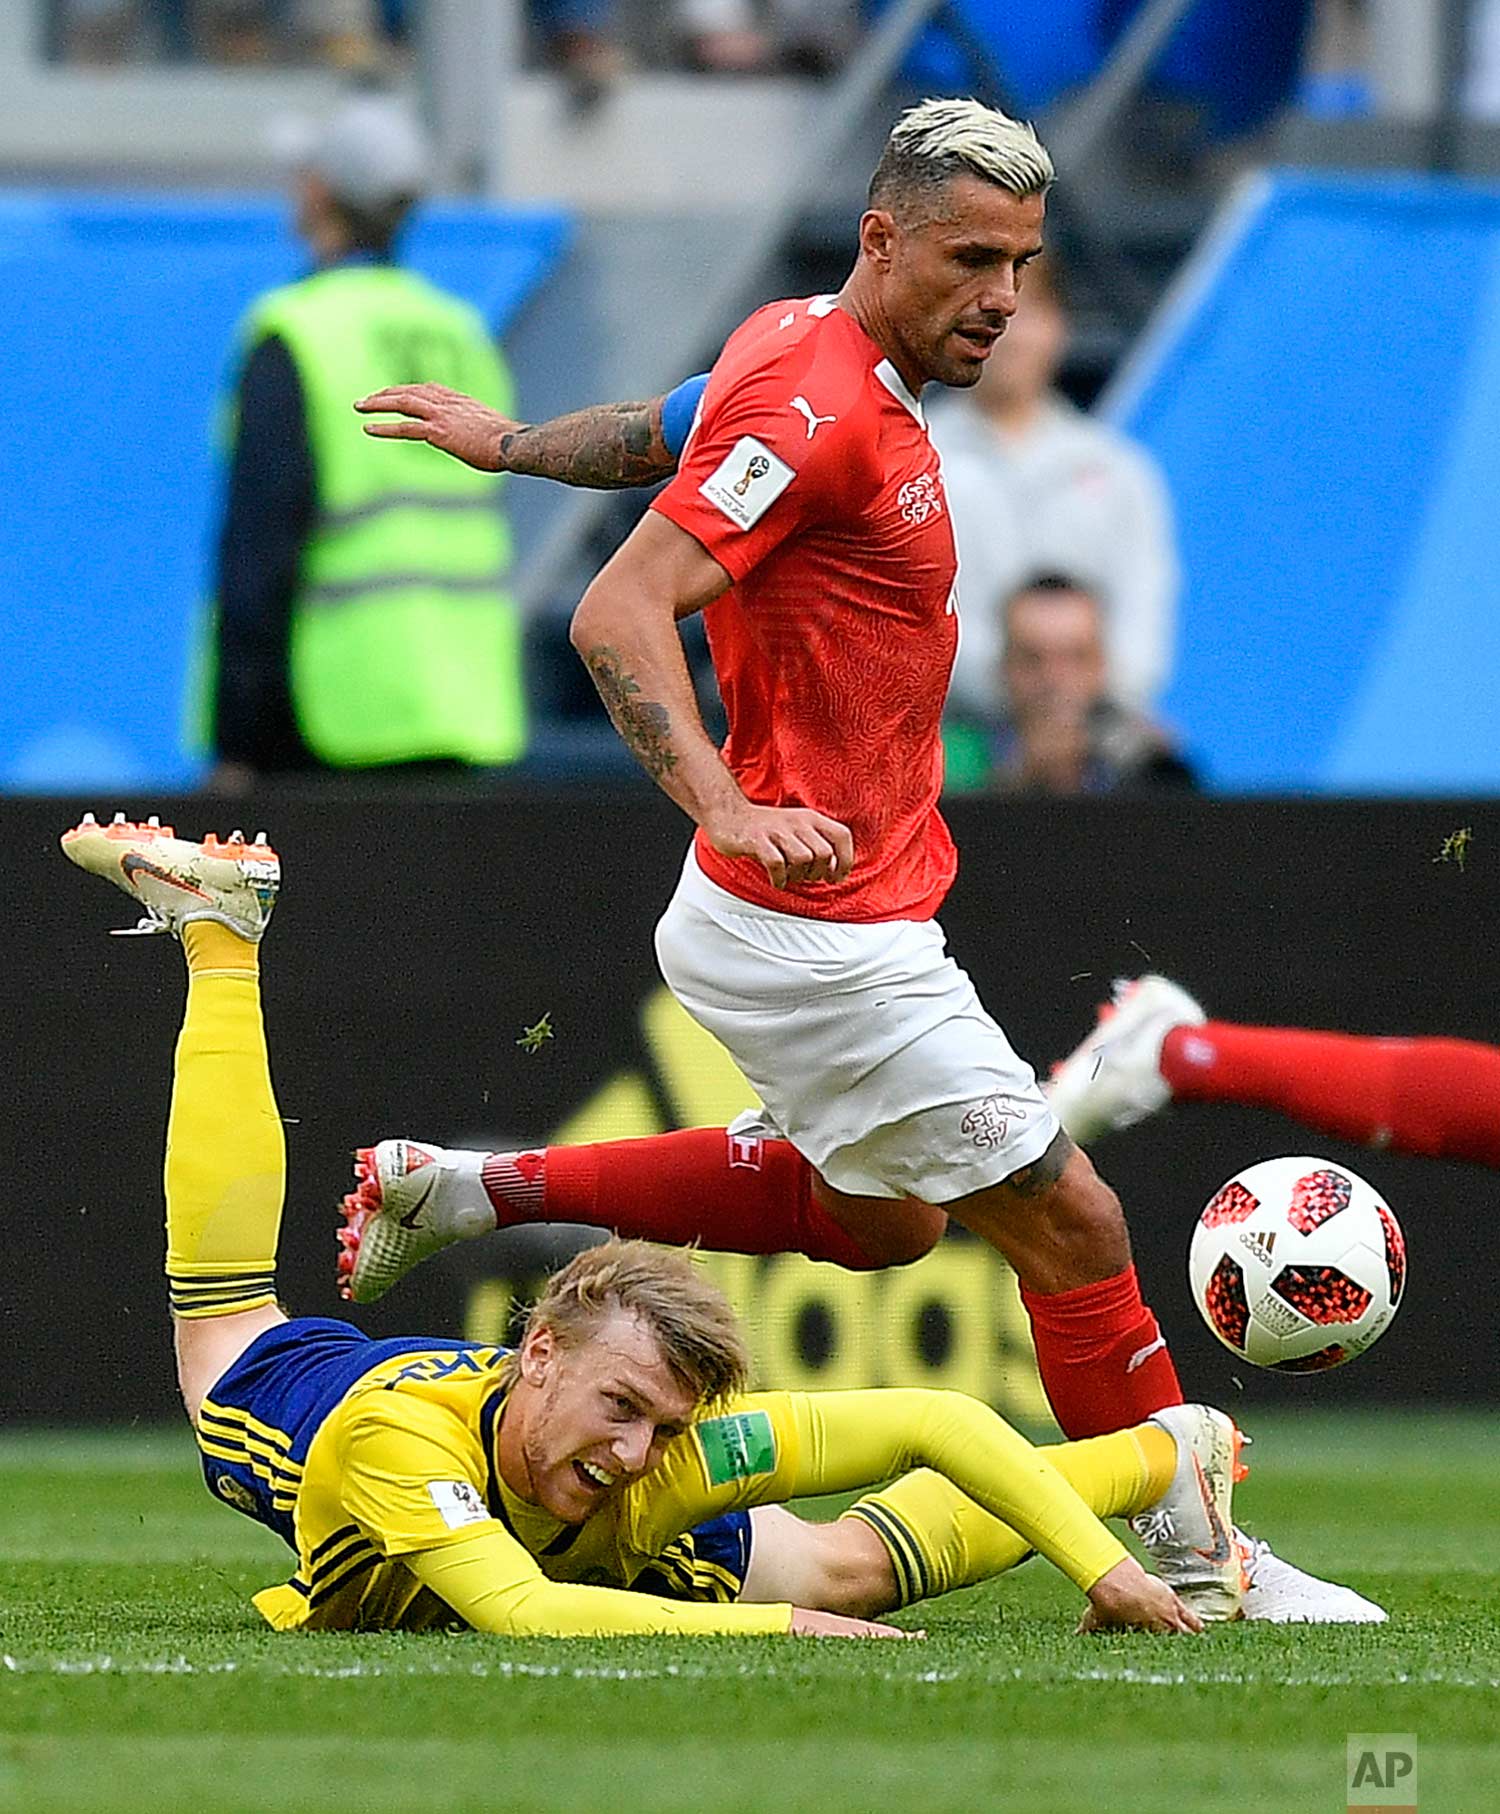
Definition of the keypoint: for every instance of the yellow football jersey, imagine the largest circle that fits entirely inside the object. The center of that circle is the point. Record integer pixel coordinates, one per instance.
(376, 1460)
(403, 1461)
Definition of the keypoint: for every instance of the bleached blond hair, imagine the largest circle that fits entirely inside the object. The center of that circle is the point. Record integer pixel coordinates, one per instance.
(937, 140)
(694, 1324)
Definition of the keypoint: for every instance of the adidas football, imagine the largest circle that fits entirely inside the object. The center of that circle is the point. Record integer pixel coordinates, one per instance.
(1297, 1265)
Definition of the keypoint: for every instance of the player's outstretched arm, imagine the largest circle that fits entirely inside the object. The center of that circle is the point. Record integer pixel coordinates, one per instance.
(492, 1586)
(1128, 1597)
(607, 447)
(625, 629)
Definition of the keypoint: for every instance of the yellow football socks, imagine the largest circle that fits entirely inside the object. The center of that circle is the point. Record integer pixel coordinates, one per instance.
(226, 1154)
(939, 1539)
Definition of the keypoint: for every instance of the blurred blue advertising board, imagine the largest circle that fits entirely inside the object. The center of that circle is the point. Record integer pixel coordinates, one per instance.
(1322, 389)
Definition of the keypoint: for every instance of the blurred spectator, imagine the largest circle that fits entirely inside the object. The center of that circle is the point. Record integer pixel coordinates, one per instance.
(361, 618)
(112, 31)
(1033, 484)
(1059, 731)
(578, 39)
(346, 34)
(352, 35)
(740, 37)
(582, 39)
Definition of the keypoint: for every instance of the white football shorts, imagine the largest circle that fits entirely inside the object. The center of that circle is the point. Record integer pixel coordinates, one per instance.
(867, 1045)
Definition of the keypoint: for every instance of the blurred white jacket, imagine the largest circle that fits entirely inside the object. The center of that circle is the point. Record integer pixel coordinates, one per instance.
(1072, 495)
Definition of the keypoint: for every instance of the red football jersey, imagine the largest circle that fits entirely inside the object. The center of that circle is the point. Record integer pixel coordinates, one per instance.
(809, 477)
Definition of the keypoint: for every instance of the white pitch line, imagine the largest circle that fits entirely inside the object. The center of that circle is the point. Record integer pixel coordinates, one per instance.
(503, 1668)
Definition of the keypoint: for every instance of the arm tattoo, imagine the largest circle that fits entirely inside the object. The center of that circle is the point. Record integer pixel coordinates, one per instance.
(1043, 1173)
(605, 448)
(645, 726)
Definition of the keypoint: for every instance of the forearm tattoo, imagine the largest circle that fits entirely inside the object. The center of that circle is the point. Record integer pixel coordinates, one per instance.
(645, 726)
(605, 448)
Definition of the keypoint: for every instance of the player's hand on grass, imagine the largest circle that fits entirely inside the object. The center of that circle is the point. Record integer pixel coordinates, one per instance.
(809, 1624)
(1130, 1598)
(793, 844)
(445, 419)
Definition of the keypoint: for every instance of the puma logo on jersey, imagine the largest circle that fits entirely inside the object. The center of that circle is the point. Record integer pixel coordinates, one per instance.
(814, 422)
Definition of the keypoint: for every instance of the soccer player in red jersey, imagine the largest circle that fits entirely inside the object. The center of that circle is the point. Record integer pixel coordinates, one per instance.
(807, 521)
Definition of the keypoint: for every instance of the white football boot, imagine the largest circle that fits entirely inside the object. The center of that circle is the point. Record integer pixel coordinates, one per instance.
(177, 882)
(410, 1200)
(1113, 1079)
(1189, 1532)
(1279, 1594)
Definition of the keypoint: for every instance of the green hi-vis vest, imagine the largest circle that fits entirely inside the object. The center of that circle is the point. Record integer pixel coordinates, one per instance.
(404, 644)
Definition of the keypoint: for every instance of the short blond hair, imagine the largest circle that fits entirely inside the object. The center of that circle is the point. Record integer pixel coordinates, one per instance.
(693, 1322)
(937, 140)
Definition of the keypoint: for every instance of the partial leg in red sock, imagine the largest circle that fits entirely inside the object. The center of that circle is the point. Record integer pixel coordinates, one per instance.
(1439, 1098)
(1103, 1360)
(733, 1193)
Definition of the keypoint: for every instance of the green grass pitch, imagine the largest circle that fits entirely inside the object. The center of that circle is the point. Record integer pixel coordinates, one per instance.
(135, 1676)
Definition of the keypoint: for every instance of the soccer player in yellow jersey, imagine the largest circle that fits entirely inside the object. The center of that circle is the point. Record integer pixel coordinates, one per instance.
(610, 1475)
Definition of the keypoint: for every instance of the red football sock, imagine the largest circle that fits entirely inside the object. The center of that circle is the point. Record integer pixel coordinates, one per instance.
(1103, 1361)
(1436, 1097)
(733, 1193)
